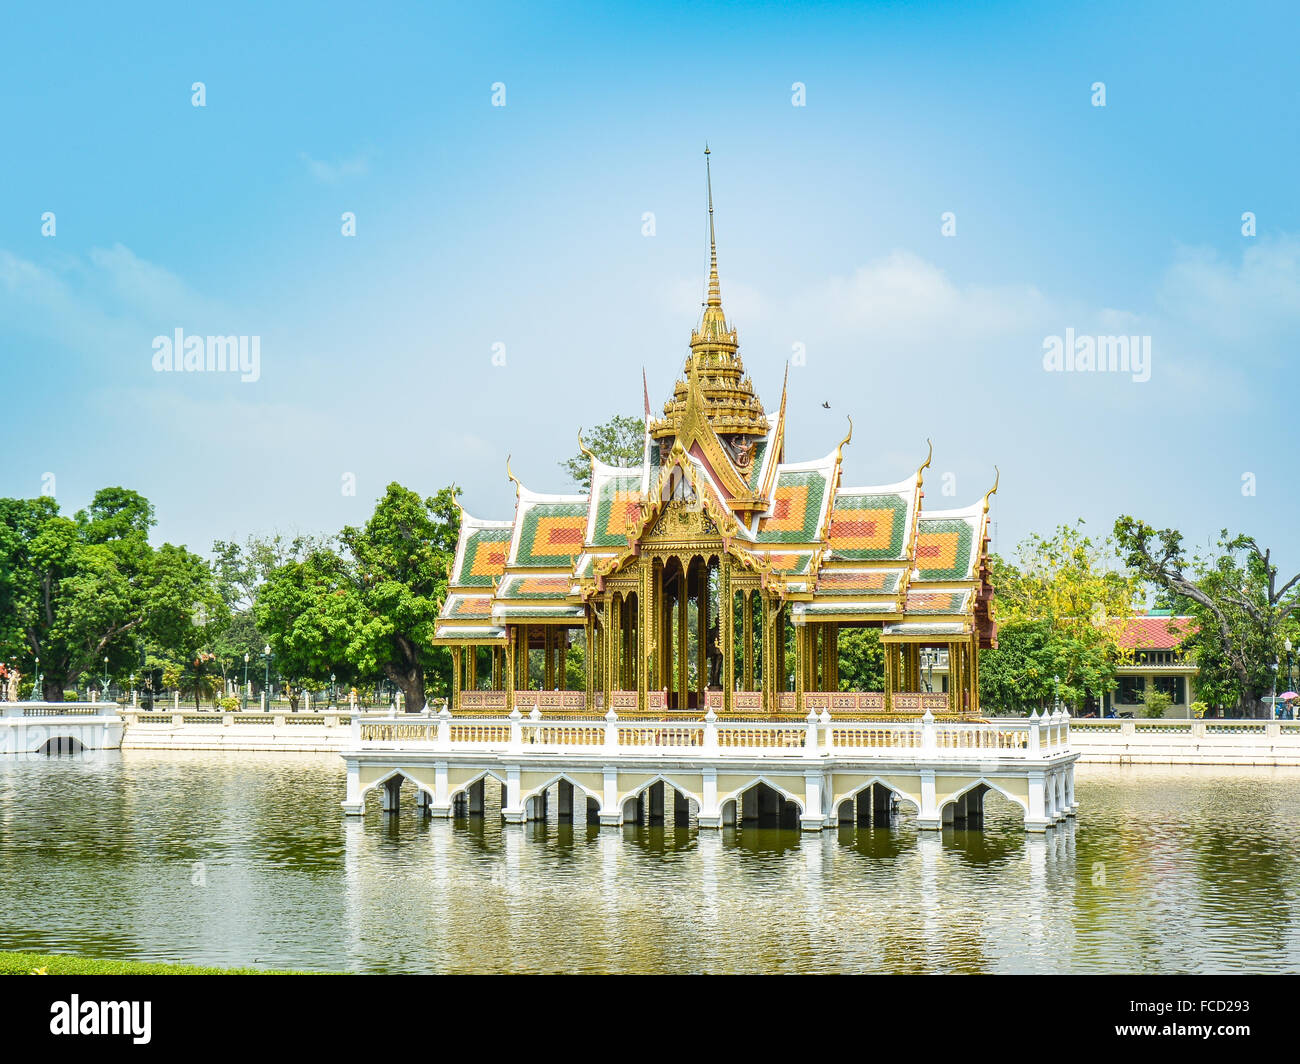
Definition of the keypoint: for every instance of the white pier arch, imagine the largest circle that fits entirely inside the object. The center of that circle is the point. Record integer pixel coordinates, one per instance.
(28, 728)
(823, 767)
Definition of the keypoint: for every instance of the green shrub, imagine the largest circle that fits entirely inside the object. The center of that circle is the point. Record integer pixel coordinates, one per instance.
(63, 964)
(228, 704)
(70, 696)
(1199, 709)
(1154, 703)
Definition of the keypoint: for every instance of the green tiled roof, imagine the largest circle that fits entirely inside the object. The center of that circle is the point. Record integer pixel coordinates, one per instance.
(796, 508)
(611, 508)
(945, 549)
(485, 553)
(551, 533)
(869, 527)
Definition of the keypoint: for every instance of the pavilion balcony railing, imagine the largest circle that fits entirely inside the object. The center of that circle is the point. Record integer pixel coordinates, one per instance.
(573, 704)
(58, 709)
(821, 735)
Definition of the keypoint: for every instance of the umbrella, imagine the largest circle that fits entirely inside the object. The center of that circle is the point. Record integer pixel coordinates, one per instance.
(1286, 696)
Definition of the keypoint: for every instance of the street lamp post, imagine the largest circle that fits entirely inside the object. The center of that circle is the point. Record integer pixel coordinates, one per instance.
(333, 693)
(106, 678)
(1290, 684)
(133, 689)
(245, 681)
(36, 683)
(1272, 705)
(266, 683)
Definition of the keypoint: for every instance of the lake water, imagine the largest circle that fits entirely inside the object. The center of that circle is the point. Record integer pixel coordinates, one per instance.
(247, 859)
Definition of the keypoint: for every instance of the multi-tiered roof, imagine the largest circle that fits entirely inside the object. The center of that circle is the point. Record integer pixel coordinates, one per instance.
(842, 554)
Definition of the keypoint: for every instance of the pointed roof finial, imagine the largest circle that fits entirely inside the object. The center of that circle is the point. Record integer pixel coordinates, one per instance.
(715, 290)
(997, 477)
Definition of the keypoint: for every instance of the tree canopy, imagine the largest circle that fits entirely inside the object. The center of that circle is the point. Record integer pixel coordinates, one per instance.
(620, 441)
(367, 607)
(76, 591)
(1242, 611)
(1058, 607)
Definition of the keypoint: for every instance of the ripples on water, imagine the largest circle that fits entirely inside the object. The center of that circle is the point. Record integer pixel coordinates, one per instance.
(247, 860)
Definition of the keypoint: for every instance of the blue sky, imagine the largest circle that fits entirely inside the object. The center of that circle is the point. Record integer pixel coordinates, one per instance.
(522, 225)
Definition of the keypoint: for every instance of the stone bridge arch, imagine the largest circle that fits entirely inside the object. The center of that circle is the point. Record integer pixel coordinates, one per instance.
(647, 801)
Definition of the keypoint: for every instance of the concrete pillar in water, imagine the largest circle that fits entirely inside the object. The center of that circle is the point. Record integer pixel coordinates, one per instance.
(863, 803)
(881, 805)
(681, 809)
(656, 795)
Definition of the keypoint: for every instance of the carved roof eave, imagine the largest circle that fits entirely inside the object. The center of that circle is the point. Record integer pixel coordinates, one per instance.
(728, 527)
(904, 585)
(694, 428)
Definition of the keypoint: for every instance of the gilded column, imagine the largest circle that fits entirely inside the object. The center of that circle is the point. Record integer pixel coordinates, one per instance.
(589, 658)
(804, 641)
(702, 636)
(628, 648)
(747, 636)
(778, 635)
(726, 632)
(607, 651)
(684, 640)
(770, 701)
(974, 674)
(509, 654)
(644, 601)
(891, 655)
(455, 679)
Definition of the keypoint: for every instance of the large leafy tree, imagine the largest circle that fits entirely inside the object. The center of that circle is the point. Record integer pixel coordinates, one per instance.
(74, 591)
(240, 570)
(368, 609)
(620, 441)
(1243, 611)
(1061, 604)
(862, 660)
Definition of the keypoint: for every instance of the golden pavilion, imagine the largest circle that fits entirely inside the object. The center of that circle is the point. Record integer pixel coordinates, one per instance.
(716, 576)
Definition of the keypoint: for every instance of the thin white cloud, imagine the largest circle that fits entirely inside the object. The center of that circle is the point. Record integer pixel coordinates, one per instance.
(332, 173)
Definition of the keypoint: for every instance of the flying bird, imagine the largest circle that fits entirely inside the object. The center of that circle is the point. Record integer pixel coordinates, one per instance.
(826, 406)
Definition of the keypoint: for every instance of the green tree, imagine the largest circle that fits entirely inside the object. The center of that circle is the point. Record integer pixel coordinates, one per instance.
(1079, 588)
(74, 591)
(369, 609)
(240, 569)
(1018, 675)
(1155, 703)
(862, 660)
(620, 441)
(1242, 612)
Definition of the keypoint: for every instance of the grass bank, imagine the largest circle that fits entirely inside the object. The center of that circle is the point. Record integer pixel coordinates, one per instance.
(65, 964)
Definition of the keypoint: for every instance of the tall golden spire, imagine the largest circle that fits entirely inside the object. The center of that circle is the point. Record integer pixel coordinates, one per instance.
(714, 339)
(715, 290)
(727, 400)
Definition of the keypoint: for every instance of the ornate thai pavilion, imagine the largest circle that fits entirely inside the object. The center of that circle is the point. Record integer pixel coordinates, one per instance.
(716, 574)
